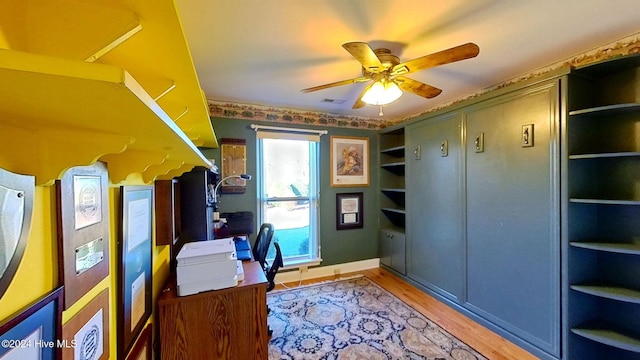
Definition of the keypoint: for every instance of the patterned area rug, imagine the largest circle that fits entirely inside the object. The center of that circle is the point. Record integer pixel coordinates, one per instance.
(355, 319)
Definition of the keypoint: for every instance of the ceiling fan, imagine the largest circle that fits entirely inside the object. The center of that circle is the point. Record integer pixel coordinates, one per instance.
(388, 73)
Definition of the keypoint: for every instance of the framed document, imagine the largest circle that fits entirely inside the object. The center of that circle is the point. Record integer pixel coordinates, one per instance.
(33, 333)
(88, 331)
(134, 267)
(142, 349)
(83, 229)
(349, 211)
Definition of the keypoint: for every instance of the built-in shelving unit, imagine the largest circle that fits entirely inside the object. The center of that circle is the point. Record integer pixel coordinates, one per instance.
(392, 166)
(392, 200)
(101, 80)
(603, 208)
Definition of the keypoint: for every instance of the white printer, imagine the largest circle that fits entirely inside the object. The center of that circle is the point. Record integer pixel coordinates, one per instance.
(206, 265)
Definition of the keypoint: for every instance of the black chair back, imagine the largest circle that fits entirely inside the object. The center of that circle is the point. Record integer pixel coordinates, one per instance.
(273, 269)
(263, 241)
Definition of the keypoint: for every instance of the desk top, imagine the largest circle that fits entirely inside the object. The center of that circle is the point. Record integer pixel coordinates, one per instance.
(253, 276)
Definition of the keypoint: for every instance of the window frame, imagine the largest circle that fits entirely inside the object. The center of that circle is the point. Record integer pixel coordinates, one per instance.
(313, 257)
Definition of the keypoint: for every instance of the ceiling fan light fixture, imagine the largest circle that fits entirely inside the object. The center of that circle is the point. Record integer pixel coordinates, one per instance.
(382, 93)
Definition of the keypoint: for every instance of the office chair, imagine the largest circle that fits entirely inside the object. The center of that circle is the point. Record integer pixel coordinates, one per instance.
(261, 246)
(271, 276)
(273, 269)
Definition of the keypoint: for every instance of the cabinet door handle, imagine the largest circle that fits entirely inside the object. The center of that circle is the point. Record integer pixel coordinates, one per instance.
(479, 143)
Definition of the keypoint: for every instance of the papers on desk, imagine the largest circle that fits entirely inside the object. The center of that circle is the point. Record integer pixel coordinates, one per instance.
(206, 265)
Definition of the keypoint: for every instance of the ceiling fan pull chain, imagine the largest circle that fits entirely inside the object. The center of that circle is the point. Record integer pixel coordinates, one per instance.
(381, 113)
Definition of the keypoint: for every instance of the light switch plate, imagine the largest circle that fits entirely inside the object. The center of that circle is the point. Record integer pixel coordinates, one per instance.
(444, 148)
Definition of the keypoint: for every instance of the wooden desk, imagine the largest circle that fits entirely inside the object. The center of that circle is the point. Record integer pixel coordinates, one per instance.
(219, 324)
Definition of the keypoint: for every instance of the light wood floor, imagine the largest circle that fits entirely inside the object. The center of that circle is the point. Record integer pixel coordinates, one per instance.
(486, 342)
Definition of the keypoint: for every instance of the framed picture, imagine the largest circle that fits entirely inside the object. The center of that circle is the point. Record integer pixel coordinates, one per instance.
(16, 206)
(33, 333)
(134, 267)
(88, 331)
(83, 229)
(349, 161)
(142, 349)
(349, 213)
(234, 162)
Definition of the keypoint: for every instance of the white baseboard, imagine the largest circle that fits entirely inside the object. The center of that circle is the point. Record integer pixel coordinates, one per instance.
(330, 270)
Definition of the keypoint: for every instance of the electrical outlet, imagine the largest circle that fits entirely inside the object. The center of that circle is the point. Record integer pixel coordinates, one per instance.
(336, 271)
(303, 269)
(527, 135)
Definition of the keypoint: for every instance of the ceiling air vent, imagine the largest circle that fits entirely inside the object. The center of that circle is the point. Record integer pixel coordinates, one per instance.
(333, 101)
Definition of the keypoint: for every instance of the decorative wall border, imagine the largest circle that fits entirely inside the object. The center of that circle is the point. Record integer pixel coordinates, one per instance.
(626, 46)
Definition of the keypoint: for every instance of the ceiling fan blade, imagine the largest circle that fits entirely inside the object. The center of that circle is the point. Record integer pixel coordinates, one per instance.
(359, 103)
(462, 52)
(417, 87)
(362, 52)
(337, 83)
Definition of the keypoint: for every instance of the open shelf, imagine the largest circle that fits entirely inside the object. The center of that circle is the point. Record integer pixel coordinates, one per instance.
(59, 113)
(610, 292)
(605, 155)
(621, 248)
(605, 201)
(608, 335)
(608, 110)
(396, 151)
(108, 80)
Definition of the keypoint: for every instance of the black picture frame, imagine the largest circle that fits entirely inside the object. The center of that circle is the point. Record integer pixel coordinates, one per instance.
(35, 331)
(349, 211)
(134, 268)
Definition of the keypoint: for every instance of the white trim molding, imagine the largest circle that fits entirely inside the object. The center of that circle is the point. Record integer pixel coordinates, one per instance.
(304, 273)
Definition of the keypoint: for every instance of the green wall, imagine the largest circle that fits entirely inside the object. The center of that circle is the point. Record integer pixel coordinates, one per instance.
(337, 246)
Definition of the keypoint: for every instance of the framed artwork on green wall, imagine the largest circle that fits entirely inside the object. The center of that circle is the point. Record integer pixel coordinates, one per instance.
(234, 162)
(349, 161)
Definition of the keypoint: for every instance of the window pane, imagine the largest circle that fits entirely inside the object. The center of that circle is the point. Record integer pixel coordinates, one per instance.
(286, 168)
(287, 196)
(292, 227)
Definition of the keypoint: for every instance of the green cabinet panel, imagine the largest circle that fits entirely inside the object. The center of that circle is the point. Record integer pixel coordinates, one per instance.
(392, 250)
(512, 213)
(435, 227)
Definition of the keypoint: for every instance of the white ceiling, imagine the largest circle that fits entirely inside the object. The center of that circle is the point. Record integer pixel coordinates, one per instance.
(263, 52)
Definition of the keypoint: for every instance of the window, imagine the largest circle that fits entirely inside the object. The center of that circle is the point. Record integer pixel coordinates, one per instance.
(288, 194)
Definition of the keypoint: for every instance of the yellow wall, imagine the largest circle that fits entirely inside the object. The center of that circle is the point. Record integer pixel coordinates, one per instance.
(38, 270)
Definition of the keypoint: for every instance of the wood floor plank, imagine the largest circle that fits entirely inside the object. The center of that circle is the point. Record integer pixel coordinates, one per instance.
(483, 340)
